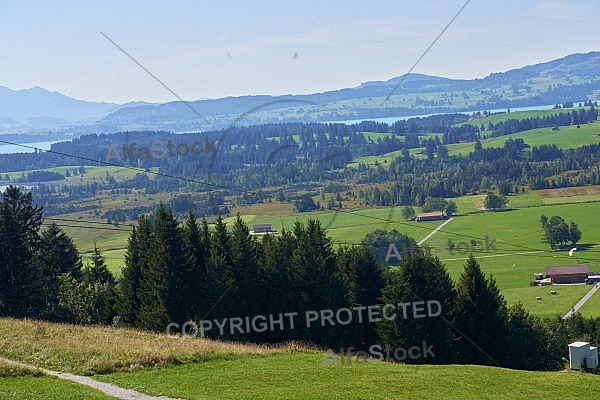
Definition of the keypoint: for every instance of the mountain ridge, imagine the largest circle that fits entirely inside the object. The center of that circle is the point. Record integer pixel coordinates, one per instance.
(573, 77)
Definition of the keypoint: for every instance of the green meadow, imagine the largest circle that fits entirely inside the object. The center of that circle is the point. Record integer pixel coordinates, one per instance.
(502, 117)
(197, 368)
(515, 250)
(566, 137)
(303, 376)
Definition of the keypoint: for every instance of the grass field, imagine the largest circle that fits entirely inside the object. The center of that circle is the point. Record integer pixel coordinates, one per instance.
(591, 307)
(195, 368)
(517, 233)
(549, 304)
(566, 137)
(303, 376)
(88, 350)
(494, 119)
(91, 174)
(27, 384)
(46, 388)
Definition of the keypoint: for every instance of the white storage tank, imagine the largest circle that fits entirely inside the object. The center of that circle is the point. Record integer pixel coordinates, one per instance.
(582, 355)
(591, 362)
(578, 352)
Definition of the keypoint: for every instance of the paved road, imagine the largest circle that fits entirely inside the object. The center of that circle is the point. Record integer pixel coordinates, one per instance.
(107, 388)
(495, 255)
(583, 300)
(434, 231)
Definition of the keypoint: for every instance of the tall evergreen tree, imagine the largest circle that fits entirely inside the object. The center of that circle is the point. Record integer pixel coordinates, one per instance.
(244, 259)
(97, 271)
(419, 280)
(278, 291)
(195, 254)
(162, 287)
(56, 256)
(220, 276)
(134, 272)
(363, 281)
(20, 277)
(481, 317)
(313, 274)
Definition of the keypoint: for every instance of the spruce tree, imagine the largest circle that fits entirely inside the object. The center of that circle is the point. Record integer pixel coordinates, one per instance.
(244, 252)
(481, 317)
(162, 283)
(134, 272)
(314, 278)
(220, 276)
(363, 281)
(97, 271)
(278, 291)
(20, 277)
(56, 256)
(419, 280)
(195, 254)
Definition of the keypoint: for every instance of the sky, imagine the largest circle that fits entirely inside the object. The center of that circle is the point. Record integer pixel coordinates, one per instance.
(213, 49)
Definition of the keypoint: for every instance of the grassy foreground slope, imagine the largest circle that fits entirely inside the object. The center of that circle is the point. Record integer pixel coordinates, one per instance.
(18, 383)
(303, 376)
(89, 350)
(205, 369)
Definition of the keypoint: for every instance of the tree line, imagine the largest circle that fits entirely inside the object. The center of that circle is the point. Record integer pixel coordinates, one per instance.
(513, 125)
(178, 271)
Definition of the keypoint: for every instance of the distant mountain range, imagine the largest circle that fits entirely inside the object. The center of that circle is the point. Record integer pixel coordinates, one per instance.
(29, 110)
(572, 78)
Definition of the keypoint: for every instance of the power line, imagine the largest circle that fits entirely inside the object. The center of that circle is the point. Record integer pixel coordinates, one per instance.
(354, 213)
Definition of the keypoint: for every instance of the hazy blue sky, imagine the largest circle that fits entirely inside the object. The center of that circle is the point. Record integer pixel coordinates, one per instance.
(58, 45)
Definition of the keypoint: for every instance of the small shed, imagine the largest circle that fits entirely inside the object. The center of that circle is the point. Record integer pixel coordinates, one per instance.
(261, 229)
(568, 273)
(582, 355)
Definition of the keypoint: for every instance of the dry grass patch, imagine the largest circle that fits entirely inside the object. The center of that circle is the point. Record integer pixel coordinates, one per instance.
(478, 201)
(96, 349)
(569, 191)
(9, 370)
(274, 209)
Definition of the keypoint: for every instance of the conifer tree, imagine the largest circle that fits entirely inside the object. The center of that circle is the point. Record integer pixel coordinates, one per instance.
(278, 291)
(220, 275)
(195, 255)
(20, 277)
(56, 256)
(421, 281)
(244, 269)
(97, 271)
(481, 317)
(363, 281)
(162, 284)
(134, 272)
(313, 273)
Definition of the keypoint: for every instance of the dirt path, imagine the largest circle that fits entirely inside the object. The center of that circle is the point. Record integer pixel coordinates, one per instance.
(107, 388)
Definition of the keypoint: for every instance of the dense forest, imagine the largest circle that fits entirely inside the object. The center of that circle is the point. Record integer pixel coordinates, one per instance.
(277, 161)
(179, 271)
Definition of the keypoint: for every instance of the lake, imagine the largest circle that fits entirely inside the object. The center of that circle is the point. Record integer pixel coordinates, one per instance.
(10, 148)
(391, 120)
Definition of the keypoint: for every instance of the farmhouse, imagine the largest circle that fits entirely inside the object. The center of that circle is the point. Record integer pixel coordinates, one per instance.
(261, 229)
(568, 273)
(430, 216)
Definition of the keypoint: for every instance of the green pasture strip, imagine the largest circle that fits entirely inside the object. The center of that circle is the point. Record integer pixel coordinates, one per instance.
(303, 376)
(46, 388)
